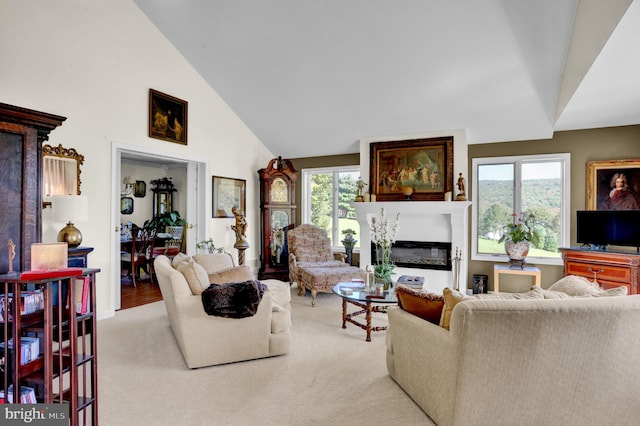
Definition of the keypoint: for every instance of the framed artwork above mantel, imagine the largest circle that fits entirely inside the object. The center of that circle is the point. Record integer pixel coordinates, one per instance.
(425, 165)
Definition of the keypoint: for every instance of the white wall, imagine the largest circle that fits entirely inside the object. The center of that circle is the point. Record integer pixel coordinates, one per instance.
(94, 62)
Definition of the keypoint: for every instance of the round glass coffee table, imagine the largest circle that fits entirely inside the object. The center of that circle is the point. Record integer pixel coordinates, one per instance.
(369, 300)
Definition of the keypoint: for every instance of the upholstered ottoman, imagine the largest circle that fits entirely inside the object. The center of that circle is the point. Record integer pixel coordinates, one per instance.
(280, 292)
(323, 279)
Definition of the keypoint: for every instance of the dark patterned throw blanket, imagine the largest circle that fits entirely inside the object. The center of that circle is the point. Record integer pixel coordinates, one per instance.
(233, 300)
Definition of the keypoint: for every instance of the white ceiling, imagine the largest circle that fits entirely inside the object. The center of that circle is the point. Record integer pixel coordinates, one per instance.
(312, 77)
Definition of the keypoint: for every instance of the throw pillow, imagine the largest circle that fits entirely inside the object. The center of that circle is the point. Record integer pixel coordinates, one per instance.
(574, 285)
(178, 259)
(214, 262)
(612, 292)
(233, 275)
(427, 306)
(451, 299)
(534, 293)
(195, 275)
(550, 294)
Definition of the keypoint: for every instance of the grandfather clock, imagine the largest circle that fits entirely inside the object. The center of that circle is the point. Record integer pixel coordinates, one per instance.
(278, 215)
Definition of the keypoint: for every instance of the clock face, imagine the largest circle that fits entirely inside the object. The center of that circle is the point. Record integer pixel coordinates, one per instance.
(279, 192)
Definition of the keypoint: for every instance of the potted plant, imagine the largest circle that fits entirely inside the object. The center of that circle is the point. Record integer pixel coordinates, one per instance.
(348, 234)
(383, 235)
(519, 235)
(169, 222)
(208, 246)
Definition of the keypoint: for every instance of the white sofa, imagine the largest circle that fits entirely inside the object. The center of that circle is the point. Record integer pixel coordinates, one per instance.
(210, 340)
(522, 362)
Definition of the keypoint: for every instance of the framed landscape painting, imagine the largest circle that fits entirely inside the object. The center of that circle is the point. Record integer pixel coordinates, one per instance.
(227, 194)
(425, 165)
(613, 185)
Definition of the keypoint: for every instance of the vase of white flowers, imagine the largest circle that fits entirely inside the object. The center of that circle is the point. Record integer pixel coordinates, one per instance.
(383, 234)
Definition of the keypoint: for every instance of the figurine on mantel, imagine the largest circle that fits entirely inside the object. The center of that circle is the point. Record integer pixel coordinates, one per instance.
(359, 196)
(461, 195)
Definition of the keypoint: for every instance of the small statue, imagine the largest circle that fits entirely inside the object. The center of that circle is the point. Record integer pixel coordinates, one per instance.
(12, 254)
(461, 195)
(359, 196)
(240, 228)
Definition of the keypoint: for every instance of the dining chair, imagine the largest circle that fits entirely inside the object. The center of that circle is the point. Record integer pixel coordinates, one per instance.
(137, 257)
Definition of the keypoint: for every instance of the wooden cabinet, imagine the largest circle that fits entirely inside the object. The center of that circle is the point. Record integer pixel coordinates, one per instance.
(277, 217)
(64, 368)
(22, 132)
(609, 269)
(78, 257)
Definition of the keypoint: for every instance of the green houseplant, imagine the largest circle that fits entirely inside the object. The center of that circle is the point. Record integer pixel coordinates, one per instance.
(519, 235)
(161, 222)
(383, 235)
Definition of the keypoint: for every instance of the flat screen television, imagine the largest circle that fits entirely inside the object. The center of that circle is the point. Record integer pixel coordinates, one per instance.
(609, 227)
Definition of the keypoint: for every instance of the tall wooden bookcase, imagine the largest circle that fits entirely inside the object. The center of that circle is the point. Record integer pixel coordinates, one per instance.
(65, 369)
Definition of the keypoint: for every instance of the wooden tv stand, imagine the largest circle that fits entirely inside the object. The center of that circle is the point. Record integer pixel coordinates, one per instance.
(609, 268)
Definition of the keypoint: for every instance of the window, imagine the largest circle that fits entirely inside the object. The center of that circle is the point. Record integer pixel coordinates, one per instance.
(537, 184)
(327, 197)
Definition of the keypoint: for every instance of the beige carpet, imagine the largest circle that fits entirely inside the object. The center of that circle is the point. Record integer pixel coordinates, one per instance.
(330, 377)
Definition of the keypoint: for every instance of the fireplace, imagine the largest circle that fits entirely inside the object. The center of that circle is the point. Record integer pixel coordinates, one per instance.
(419, 254)
(445, 221)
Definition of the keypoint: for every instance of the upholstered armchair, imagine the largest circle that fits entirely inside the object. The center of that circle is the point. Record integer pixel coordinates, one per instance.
(312, 263)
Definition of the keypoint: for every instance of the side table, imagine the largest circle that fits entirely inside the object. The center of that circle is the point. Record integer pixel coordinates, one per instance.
(531, 271)
(363, 298)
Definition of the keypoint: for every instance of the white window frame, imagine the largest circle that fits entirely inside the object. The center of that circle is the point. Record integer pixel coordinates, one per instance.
(565, 210)
(306, 196)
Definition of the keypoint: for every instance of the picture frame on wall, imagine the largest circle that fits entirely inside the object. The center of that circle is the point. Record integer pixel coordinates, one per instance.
(425, 165)
(140, 189)
(228, 193)
(167, 117)
(126, 205)
(613, 185)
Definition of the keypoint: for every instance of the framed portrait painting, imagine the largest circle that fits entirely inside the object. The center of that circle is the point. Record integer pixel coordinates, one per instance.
(167, 117)
(227, 194)
(423, 165)
(613, 185)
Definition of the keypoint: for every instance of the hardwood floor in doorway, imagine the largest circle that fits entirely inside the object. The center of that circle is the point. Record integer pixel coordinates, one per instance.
(145, 292)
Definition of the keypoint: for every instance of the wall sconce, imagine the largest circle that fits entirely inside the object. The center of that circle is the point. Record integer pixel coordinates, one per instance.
(70, 208)
(128, 183)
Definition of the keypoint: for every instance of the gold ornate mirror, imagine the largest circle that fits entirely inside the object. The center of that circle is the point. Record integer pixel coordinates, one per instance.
(60, 171)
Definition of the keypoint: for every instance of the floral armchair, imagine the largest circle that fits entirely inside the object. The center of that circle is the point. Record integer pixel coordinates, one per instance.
(312, 263)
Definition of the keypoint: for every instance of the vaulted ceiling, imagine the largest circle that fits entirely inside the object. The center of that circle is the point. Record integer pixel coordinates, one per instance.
(312, 77)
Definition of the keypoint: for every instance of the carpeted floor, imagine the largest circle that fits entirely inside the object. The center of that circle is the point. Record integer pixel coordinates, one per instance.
(330, 377)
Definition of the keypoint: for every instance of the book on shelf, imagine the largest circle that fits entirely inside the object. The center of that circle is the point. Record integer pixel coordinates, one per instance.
(29, 348)
(27, 395)
(30, 301)
(82, 294)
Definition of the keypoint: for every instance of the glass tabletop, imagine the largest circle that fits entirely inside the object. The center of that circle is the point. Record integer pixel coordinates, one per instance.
(358, 292)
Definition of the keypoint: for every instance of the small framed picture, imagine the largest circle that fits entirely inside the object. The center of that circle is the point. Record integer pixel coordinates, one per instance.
(126, 205)
(227, 194)
(167, 117)
(139, 189)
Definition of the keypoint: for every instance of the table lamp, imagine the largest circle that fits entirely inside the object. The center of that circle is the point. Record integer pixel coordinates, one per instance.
(70, 208)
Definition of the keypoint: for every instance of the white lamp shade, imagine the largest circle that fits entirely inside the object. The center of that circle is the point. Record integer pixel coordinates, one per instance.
(70, 208)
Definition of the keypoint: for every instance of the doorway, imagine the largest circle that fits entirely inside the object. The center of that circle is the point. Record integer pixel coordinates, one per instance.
(136, 168)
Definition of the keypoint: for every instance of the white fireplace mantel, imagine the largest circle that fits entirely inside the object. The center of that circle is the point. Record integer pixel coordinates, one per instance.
(443, 221)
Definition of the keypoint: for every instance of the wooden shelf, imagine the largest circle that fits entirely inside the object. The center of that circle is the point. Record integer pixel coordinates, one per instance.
(67, 363)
